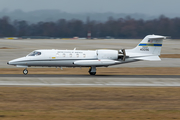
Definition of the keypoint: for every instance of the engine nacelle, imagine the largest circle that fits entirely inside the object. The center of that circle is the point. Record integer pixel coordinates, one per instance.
(107, 54)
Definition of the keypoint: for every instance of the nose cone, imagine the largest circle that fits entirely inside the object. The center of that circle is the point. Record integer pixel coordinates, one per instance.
(10, 62)
(18, 61)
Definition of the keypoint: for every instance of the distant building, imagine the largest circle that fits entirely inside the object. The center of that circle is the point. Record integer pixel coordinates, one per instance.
(89, 35)
(11, 38)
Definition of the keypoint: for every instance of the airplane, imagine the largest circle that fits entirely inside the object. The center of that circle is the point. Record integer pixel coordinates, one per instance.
(148, 49)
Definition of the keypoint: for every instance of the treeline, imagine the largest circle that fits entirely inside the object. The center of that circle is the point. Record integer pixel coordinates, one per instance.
(121, 28)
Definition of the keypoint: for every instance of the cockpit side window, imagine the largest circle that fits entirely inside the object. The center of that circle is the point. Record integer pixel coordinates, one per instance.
(38, 53)
(35, 53)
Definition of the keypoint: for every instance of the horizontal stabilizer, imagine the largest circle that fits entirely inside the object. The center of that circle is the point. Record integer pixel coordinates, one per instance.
(150, 58)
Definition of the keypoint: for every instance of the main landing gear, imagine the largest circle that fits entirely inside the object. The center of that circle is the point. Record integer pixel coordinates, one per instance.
(92, 70)
(25, 71)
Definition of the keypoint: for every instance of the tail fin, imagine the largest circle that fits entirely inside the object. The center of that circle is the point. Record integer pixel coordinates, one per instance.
(151, 44)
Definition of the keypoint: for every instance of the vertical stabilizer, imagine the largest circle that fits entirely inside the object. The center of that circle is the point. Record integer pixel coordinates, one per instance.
(151, 44)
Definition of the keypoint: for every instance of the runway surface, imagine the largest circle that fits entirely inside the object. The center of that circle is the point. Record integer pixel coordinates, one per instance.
(91, 81)
(90, 76)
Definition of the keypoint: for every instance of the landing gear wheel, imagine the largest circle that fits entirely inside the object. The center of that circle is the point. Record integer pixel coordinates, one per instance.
(92, 70)
(92, 73)
(25, 71)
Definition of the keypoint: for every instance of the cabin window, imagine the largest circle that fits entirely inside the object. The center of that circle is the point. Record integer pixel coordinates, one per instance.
(84, 55)
(77, 55)
(64, 55)
(70, 55)
(35, 53)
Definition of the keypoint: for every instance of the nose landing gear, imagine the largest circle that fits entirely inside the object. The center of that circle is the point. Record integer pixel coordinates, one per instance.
(92, 70)
(25, 71)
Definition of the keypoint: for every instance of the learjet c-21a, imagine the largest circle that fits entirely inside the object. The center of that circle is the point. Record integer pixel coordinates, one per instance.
(148, 49)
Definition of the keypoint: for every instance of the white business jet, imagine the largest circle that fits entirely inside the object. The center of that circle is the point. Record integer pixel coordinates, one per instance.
(148, 49)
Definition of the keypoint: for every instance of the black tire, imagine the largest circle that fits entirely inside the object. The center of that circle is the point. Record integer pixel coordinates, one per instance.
(25, 72)
(92, 73)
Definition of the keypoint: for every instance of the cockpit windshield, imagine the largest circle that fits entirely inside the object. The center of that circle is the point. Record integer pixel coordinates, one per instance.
(35, 53)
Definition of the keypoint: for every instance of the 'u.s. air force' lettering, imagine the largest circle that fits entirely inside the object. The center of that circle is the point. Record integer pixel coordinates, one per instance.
(144, 49)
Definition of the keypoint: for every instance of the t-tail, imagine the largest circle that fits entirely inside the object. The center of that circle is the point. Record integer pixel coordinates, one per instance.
(148, 49)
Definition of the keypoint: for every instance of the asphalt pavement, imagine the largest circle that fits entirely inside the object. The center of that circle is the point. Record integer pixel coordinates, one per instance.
(91, 81)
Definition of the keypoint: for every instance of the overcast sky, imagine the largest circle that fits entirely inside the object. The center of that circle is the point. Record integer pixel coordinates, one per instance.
(151, 7)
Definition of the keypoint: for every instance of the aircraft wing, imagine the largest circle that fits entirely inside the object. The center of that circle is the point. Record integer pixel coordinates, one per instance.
(95, 62)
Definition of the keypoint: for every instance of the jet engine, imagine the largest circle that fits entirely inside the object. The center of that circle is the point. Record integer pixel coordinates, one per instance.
(107, 54)
(111, 54)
